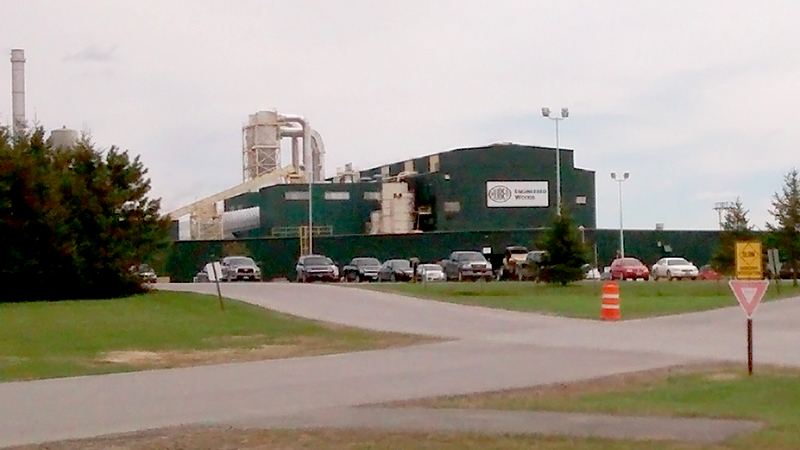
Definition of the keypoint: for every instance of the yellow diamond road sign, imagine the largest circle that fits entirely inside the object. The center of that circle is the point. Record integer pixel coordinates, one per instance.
(748, 260)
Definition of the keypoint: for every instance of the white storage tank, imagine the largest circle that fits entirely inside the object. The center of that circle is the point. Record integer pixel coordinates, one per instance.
(260, 136)
(64, 138)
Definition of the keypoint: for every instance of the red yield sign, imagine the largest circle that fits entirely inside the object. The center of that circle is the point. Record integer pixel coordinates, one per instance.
(749, 293)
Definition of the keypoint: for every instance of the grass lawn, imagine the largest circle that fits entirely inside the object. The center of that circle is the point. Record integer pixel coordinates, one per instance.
(157, 330)
(771, 395)
(637, 299)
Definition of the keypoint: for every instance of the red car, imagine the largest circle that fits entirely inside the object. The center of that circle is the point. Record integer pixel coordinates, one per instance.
(629, 269)
(707, 273)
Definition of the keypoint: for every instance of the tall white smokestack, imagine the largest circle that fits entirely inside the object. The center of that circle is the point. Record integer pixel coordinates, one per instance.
(18, 90)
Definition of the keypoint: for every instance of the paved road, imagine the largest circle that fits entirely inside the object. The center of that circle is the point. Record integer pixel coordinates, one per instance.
(492, 349)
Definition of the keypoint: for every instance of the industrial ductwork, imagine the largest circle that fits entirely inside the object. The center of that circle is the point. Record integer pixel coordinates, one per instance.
(261, 138)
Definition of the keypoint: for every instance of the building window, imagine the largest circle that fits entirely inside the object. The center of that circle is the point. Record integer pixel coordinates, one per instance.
(372, 195)
(452, 207)
(433, 163)
(580, 200)
(333, 195)
(296, 195)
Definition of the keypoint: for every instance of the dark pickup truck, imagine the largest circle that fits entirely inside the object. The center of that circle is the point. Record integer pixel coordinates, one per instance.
(467, 265)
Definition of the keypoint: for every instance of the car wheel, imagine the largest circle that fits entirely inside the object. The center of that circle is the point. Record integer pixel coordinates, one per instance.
(646, 278)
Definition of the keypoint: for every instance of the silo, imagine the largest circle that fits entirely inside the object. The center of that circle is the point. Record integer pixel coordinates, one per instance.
(261, 146)
(64, 138)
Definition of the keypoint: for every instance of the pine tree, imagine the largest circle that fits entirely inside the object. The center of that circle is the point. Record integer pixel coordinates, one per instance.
(786, 211)
(735, 227)
(73, 220)
(565, 257)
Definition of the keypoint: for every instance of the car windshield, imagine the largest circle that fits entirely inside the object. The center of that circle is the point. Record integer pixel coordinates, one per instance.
(630, 262)
(145, 268)
(431, 267)
(241, 262)
(474, 256)
(677, 262)
(367, 262)
(316, 261)
(518, 251)
(401, 264)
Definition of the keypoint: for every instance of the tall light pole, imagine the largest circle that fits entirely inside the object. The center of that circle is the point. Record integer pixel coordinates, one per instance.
(564, 115)
(620, 179)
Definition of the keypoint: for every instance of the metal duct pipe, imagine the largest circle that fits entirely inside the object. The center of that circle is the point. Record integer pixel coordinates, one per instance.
(307, 159)
(241, 220)
(317, 150)
(308, 171)
(295, 152)
(318, 155)
(18, 90)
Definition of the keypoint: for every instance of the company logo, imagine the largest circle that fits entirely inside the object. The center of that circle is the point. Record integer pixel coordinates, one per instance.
(499, 194)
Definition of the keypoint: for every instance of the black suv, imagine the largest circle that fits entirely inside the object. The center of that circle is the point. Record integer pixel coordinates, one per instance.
(362, 269)
(316, 267)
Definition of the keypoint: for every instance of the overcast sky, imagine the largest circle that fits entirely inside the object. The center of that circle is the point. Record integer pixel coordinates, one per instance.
(698, 100)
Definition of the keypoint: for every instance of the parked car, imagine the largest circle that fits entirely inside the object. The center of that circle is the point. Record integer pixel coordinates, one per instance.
(430, 272)
(361, 269)
(708, 273)
(629, 269)
(146, 273)
(513, 260)
(316, 267)
(467, 265)
(234, 268)
(396, 270)
(590, 273)
(531, 267)
(201, 276)
(673, 268)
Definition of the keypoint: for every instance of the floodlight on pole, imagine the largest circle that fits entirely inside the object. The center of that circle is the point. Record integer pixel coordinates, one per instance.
(564, 115)
(619, 179)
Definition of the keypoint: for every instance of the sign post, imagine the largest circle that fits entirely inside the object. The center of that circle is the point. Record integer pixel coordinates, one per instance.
(214, 271)
(774, 265)
(749, 287)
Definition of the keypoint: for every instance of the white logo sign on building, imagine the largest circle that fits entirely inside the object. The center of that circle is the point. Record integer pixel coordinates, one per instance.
(517, 194)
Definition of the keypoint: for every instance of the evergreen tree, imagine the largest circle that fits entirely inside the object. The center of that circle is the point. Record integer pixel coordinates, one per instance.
(73, 220)
(735, 227)
(786, 211)
(565, 257)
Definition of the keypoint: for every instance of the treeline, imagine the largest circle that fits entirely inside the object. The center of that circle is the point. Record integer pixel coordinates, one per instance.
(784, 234)
(73, 221)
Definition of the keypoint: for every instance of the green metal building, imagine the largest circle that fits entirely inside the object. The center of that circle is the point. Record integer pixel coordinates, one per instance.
(492, 188)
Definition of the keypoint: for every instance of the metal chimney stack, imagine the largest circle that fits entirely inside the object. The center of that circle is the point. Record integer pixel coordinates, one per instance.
(18, 90)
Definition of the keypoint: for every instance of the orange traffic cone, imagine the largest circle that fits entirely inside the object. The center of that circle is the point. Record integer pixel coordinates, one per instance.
(610, 309)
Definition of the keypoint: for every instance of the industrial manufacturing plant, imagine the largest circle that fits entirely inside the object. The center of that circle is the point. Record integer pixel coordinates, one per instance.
(501, 186)
(485, 197)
